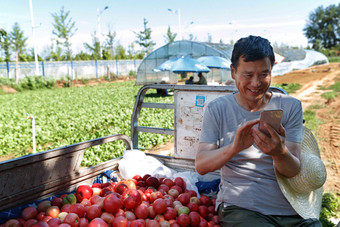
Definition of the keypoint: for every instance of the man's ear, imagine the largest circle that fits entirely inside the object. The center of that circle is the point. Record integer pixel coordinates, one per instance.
(233, 71)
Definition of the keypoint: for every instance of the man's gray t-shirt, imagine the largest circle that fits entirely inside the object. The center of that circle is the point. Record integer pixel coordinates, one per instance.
(248, 179)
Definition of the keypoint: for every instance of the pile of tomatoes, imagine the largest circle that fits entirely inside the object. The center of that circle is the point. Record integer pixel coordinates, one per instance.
(140, 201)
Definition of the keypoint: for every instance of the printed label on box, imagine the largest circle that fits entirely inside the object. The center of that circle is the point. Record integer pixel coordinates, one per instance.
(200, 100)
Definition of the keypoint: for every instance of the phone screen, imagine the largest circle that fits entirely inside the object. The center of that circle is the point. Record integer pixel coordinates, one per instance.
(272, 118)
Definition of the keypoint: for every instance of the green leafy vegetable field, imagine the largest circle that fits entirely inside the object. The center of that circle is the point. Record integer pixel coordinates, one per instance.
(71, 115)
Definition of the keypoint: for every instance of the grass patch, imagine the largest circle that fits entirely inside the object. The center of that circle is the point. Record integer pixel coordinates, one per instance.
(330, 208)
(311, 122)
(334, 59)
(329, 95)
(316, 106)
(29, 83)
(322, 88)
(335, 87)
(290, 88)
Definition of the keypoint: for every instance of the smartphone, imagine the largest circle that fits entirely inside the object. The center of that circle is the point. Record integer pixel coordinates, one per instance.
(272, 118)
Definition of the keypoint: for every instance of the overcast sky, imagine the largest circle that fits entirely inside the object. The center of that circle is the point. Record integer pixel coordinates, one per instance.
(280, 21)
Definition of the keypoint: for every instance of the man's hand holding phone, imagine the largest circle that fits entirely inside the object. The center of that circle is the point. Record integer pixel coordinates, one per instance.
(272, 118)
(270, 145)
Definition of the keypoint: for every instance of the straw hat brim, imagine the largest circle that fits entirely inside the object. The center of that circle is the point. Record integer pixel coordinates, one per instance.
(307, 205)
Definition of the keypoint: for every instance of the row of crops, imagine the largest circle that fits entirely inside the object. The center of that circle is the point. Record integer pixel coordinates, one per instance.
(71, 115)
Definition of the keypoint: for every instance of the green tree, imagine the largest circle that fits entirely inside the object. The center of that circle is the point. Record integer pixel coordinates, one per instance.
(170, 37)
(5, 46)
(95, 49)
(109, 44)
(82, 56)
(18, 44)
(3, 33)
(30, 55)
(64, 29)
(131, 51)
(120, 52)
(144, 39)
(54, 52)
(323, 27)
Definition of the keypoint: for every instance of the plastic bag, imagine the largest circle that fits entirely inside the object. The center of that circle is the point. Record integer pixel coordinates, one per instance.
(190, 178)
(135, 162)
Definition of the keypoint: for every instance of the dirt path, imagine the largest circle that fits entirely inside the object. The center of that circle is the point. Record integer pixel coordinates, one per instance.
(328, 134)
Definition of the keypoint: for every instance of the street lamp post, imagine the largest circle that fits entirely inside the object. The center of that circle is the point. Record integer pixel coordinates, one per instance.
(178, 12)
(34, 44)
(99, 13)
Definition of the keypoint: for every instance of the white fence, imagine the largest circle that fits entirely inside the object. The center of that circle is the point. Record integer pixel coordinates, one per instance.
(72, 69)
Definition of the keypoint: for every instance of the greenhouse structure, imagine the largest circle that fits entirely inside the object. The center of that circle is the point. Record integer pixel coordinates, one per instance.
(293, 59)
(147, 75)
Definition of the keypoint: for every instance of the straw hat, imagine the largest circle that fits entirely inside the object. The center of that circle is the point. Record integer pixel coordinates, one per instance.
(304, 191)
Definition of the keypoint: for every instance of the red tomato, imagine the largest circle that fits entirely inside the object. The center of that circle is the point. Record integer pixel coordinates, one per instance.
(215, 219)
(72, 219)
(184, 198)
(170, 213)
(29, 222)
(194, 218)
(107, 217)
(168, 182)
(130, 215)
(180, 182)
(159, 205)
(173, 192)
(40, 224)
(205, 200)
(159, 217)
(137, 177)
(138, 223)
(142, 211)
(203, 211)
(178, 188)
(130, 183)
(94, 211)
(78, 209)
(146, 176)
(192, 206)
(152, 181)
(53, 211)
(41, 215)
(66, 208)
(120, 221)
(64, 225)
(194, 199)
(42, 206)
(54, 222)
(121, 188)
(112, 203)
(57, 202)
(131, 198)
(12, 223)
(120, 212)
(97, 222)
(212, 210)
(83, 192)
(29, 213)
(152, 213)
(183, 220)
(152, 223)
(165, 187)
(83, 222)
(155, 195)
(164, 223)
